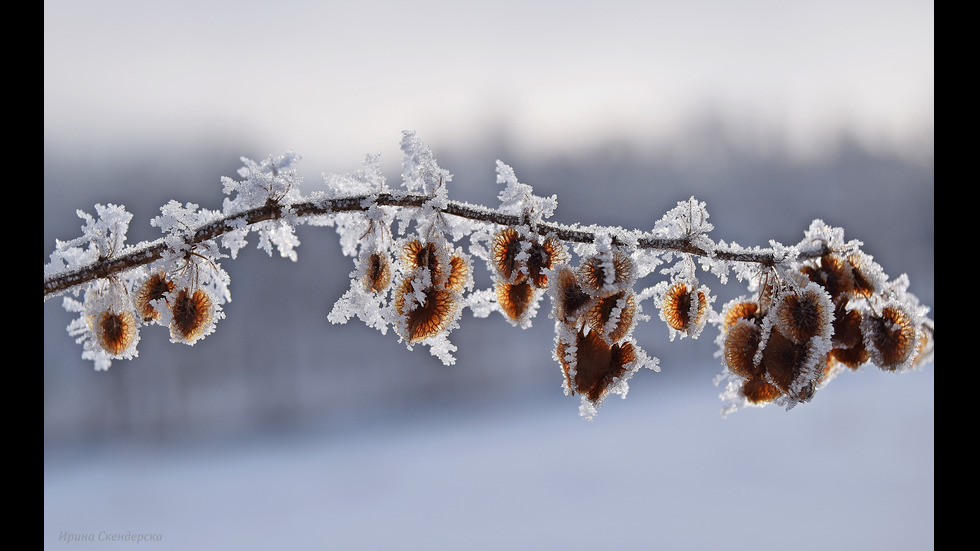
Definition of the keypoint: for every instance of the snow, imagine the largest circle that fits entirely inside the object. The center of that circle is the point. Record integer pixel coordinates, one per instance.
(853, 470)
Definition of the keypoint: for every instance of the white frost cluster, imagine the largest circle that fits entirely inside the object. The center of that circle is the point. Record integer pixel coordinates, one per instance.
(518, 198)
(273, 181)
(102, 237)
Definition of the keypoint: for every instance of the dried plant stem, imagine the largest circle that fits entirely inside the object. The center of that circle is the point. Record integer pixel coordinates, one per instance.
(150, 252)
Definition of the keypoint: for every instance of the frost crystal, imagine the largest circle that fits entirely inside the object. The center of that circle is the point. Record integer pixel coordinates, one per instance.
(518, 198)
(270, 182)
(420, 171)
(102, 238)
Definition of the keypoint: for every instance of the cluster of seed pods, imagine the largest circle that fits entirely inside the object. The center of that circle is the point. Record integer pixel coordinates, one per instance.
(116, 314)
(595, 309)
(837, 311)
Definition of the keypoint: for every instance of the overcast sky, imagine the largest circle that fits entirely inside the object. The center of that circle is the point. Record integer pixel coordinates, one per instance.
(344, 78)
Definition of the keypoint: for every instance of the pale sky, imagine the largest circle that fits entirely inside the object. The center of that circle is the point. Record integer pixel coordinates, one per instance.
(341, 79)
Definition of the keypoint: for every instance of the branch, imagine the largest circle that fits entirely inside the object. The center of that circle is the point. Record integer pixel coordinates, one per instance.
(814, 309)
(142, 255)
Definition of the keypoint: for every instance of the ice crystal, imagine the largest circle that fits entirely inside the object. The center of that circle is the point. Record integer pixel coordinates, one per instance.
(518, 198)
(270, 182)
(103, 237)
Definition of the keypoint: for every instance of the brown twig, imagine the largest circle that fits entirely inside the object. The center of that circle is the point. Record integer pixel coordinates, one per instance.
(150, 252)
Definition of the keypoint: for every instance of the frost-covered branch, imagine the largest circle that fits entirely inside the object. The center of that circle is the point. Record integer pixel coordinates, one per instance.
(814, 308)
(60, 282)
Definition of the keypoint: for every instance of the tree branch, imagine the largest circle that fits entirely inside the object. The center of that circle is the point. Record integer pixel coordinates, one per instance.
(147, 253)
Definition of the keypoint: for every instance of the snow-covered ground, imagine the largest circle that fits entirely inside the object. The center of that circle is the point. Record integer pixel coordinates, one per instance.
(661, 470)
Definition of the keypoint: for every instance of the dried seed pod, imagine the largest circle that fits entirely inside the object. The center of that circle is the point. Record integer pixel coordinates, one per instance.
(595, 364)
(866, 273)
(833, 273)
(422, 321)
(789, 366)
(377, 272)
(571, 301)
(192, 314)
(837, 275)
(544, 256)
(758, 391)
(430, 256)
(459, 273)
(927, 344)
(515, 258)
(603, 275)
(803, 315)
(115, 332)
(679, 311)
(741, 345)
(891, 337)
(155, 287)
(514, 298)
(622, 306)
(507, 244)
(747, 310)
(848, 341)
(851, 357)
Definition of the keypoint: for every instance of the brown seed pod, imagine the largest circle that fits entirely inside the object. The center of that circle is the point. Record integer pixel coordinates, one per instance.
(833, 274)
(595, 279)
(803, 315)
(812, 272)
(571, 301)
(597, 365)
(746, 310)
(837, 275)
(416, 255)
(514, 298)
(788, 366)
(377, 272)
(544, 256)
(741, 344)
(676, 307)
(599, 315)
(924, 351)
(506, 247)
(847, 326)
(890, 337)
(154, 288)
(851, 357)
(422, 321)
(115, 332)
(864, 273)
(758, 391)
(459, 272)
(848, 340)
(192, 314)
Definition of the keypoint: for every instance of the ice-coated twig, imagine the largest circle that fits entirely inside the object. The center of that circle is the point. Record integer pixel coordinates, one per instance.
(815, 308)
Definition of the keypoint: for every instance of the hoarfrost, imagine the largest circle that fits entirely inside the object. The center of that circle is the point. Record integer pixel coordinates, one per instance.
(102, 238)
(517, 198)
